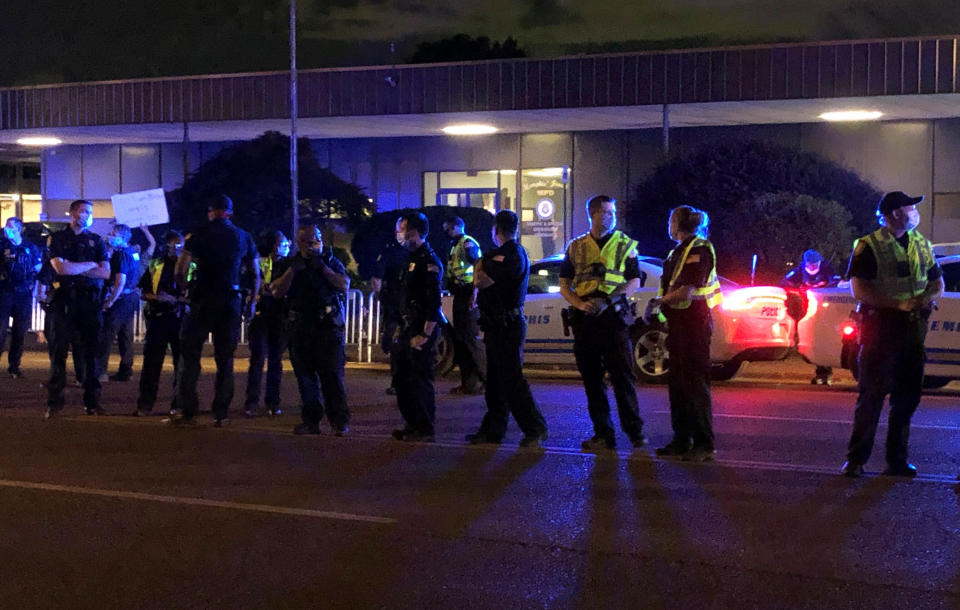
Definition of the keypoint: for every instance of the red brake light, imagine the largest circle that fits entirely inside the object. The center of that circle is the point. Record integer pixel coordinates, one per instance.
(848, 330)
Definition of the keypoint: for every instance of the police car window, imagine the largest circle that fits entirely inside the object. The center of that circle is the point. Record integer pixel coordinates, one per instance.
(544, 278)
(951, 275)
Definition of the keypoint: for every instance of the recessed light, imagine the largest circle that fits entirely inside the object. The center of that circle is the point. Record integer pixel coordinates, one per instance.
(39, 141)
(469, 129)
(851, 115)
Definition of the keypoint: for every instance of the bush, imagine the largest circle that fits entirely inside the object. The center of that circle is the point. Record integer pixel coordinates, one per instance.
(256, 175)
(745, 229)
(721, 177)
(372, 236)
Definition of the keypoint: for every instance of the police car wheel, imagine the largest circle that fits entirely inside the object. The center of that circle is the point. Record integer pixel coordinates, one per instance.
(933, 383)
(722, 371)
(651, 361)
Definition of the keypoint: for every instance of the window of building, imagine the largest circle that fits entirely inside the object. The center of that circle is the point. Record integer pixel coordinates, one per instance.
(543, 210)
(490, 189)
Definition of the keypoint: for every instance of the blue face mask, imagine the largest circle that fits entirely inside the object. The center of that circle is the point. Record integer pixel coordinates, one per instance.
(10, 233)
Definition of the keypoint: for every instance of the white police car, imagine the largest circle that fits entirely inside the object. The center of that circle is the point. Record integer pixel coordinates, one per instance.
(829, 334)
(752, 323)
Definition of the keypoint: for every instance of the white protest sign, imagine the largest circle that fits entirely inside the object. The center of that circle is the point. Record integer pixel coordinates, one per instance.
(141, 208)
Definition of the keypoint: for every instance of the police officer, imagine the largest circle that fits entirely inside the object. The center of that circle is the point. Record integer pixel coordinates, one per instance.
(385, 282)
(414, 348)
(467, 350)
(896, 280)
(265, 335)
(812, 272)
(689, 290)
(501, 279)
(599, 271)
(219, 249)
(78, 259)
(121, 303)
(315, 285)
(19, 265)
(163, 312)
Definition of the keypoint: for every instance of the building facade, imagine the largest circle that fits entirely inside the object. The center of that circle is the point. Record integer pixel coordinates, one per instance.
(568, 127)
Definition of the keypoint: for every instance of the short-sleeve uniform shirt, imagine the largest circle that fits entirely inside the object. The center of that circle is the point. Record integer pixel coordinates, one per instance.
(83, 247)
(220, 250)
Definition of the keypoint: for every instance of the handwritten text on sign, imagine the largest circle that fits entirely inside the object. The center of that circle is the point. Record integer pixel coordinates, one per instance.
(141, 208)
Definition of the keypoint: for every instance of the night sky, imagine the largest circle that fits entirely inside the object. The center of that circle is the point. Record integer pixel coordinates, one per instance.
(58, 41)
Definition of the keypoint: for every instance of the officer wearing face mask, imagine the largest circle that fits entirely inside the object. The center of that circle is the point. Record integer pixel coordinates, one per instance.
(78, 258)
(599, 272)
(19, 263)
(265, 336)
(315, 286)
(121, 303)
(164, 309)
(896, 280)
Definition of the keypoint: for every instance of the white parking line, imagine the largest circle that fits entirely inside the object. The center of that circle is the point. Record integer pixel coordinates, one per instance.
(810, 420)
(134, 495)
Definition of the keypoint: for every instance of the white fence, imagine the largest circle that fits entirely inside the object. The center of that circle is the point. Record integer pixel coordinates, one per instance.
(362, 325)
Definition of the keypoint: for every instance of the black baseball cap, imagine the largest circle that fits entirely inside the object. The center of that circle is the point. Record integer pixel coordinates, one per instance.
(895, 200)
(222, 203)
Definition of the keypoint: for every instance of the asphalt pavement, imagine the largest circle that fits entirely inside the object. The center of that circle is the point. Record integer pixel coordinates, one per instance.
(121, 512)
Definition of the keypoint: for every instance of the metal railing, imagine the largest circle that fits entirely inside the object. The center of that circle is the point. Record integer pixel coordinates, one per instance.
(362, 321)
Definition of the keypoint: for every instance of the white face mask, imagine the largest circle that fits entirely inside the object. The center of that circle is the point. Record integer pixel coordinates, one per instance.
(912, 221)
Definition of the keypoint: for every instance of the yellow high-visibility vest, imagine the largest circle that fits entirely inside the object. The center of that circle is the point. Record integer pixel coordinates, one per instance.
(458, 268)
(155, 269)
(709, 293)
(890, 255)
(597, 269)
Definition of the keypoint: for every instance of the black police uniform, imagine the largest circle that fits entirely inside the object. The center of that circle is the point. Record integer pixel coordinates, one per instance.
(891, 362)
(46, 278)
(266, 340)
(75, 315)
(219, 249)
(799, 278)
(389, 268)
(315, 325)
(799, 281)
(413, 368)
(688, 343)
(163, 329)
(18, 272)
(118, 320)
(600, 343)
(468, 352)
(504, 329)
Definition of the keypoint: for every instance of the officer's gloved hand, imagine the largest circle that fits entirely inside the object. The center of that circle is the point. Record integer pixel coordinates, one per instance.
(599, 306)
(652, 311)
(317, 263)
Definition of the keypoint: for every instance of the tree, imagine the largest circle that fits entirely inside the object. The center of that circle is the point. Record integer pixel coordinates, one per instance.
(719, 178)
(465, 48)
(373, 235)
(256, 175)
(743, 230)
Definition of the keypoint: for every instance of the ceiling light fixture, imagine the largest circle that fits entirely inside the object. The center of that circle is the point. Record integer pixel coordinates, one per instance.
(469, 129)
(851, 115)
(39, 141)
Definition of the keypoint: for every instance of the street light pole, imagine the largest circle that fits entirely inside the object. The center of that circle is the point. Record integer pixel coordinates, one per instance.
(294, 173)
